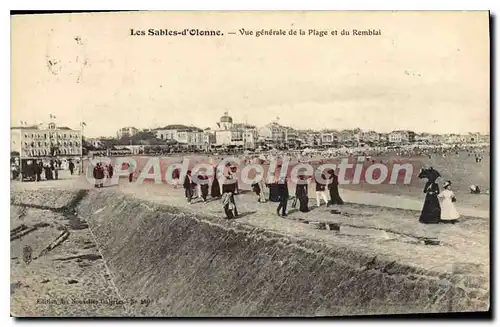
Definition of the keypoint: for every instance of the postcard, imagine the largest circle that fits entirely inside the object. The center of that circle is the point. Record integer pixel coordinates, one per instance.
(250, 164)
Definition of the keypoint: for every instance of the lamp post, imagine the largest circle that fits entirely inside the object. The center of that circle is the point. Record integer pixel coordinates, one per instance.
(82, 126)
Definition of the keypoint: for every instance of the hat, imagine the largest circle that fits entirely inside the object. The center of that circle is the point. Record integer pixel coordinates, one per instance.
(446, 184)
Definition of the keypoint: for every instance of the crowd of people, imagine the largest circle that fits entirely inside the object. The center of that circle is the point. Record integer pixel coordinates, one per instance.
(275, 190)
(38, 170)
(102, 172)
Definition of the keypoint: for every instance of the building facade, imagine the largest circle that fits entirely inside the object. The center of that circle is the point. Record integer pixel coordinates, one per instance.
(46, 141)
(126, 132)
(329, 138)
(401, 137)
(95, 143)
(228, 133)
(370, 137)
(189, 136)
(273, 132)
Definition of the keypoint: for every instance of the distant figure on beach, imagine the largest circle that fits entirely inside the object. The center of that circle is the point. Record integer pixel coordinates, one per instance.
(474, 189)
(449, 213)
(431, 212)
(333, 188)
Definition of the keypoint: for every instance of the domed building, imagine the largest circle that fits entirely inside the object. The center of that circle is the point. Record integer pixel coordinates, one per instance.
(226, 122)
(228, 133)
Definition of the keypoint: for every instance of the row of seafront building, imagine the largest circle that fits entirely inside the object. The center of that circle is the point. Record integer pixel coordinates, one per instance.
(52, 140)
(228, 133)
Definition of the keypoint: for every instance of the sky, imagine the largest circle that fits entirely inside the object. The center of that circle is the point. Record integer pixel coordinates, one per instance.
(427, 72)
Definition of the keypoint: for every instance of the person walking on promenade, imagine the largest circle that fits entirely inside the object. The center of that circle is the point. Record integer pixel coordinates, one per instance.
(130, 173)
(320, 189)
(258, 189)
(215, 190)
(39, 170)
(110, 170)
(71, 166)
(175, 177)
(301, 193)
(48, 172)
(95, 174)
(52, 166)
(228, 191)
(283, 196)
(203, 184)
(229, 206)
(100, 171)
(333, 188)
(431, 212)
(188, 186)
(233, 170)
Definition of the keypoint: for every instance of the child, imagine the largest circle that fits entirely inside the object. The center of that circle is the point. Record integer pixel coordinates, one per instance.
(449, 213)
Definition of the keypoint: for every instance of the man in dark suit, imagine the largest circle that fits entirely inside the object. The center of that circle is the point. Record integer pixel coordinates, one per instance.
(188, 186)
(71, 166)
(283, 196)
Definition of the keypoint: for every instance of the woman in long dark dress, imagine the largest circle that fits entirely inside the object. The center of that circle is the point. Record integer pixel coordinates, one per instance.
(215, 189)
(302, 194)
(333, 188)
(431, 212)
